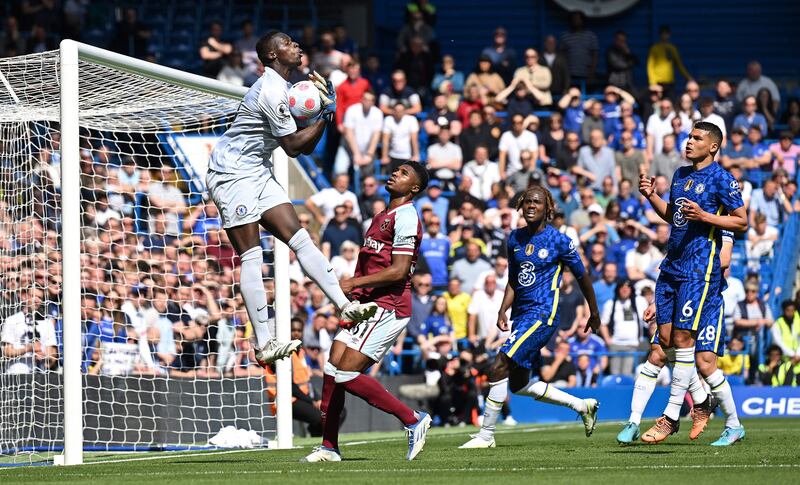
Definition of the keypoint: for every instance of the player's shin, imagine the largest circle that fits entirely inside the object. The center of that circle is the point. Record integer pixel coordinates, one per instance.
(642, 390)
(722, 391)
(371, 391)
(498, 391)
(331, 407)
(255, 297)
(317, 267)
(681, 376)
(541, 391)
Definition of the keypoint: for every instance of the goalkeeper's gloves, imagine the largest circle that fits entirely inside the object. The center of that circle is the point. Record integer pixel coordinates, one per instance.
(327, 95)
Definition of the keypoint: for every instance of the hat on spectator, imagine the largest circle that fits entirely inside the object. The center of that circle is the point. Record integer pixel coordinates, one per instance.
(484, 58)
(643, 238)
(595, 209)
(427, 206)
(434, 183)
(785, 135)
(564, 178)
(559, 213)
(739, 130)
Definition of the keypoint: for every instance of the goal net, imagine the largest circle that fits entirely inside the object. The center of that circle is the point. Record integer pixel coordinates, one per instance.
(162, 356)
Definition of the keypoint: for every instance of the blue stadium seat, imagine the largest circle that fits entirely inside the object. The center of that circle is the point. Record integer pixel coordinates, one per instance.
(615, 380)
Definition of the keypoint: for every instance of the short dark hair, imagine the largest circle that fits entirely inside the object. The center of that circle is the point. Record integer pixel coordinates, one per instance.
(264, 45)
(421, 172)
(787, 303)
(712, 129)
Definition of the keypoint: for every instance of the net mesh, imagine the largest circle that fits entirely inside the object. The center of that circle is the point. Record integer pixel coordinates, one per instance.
(165, 352)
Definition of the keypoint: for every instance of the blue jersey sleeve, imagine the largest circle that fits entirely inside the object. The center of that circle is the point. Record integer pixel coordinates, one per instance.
(570, 256)
(729, 194)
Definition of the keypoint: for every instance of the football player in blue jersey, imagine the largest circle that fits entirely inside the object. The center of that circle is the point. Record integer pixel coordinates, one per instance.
(710, 344)
(536, 257)
(690, 272)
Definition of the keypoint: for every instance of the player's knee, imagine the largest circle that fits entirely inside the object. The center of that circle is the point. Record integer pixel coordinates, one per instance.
(657, 356)
(345, 376)
(499, 369)
(682, 339)
(706, 363)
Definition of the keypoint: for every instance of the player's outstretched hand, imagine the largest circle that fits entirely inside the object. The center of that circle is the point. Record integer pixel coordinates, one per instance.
(691, 211)
(326, 91)
(646, 185)
(650, 313)
(502, 322)
(592, 323)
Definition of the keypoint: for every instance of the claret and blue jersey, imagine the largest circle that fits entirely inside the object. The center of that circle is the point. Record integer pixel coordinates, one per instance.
(535, 264)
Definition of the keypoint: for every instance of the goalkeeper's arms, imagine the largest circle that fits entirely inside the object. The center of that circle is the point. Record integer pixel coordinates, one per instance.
(304, 141)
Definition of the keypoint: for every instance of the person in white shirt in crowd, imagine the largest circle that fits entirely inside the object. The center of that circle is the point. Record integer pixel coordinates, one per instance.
(707, 114)
(658, 125)
(643, 260)
(234, 70)
(323, 203)
(761, 239)
(511, 145)
(344, 264)
(164, 196)
(362, 131)
(596, 161)
(623, 326)
(754, 82)
(247, 46)
(399, 137)
(468, 268)
(500, 273)
(28, 337)
(483, 310)
(483, 172)
(444, 159)
(731, 296)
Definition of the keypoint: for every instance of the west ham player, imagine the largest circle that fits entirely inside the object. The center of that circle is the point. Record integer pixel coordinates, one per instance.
(710, 344)
(536, 256)
(383, 275)
(690, 272)
(241, 182)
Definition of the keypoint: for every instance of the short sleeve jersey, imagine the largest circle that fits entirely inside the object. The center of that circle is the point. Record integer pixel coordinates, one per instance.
(396, 231)
(535, 266)
(263, 117)
(693, 248)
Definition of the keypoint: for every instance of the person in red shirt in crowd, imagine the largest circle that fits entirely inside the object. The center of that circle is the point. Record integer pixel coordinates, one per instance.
(350, 92)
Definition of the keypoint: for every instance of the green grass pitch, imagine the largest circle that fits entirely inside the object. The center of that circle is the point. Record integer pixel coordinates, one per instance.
(524, 454)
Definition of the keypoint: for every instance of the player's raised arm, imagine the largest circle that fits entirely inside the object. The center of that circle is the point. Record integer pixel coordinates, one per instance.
(648, 189)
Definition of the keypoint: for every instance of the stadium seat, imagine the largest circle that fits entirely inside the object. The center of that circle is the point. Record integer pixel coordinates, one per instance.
(615, 380)
(736, 380)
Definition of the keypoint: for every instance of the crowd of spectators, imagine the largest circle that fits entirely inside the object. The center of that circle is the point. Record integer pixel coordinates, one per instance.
(158, 274)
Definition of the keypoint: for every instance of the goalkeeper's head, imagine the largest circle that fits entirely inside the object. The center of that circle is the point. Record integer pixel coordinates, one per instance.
(276, 47)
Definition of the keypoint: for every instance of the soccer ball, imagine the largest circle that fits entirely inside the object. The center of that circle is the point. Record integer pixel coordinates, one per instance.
(304, 102)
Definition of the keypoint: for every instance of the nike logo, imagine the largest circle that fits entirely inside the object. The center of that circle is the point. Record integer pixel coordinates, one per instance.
(683, 320)
(263, 307)
(330, 269)
(516, 250)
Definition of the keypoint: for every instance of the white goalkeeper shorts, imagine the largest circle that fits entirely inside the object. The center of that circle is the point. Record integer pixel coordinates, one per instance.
(374, 337)
(243, 198)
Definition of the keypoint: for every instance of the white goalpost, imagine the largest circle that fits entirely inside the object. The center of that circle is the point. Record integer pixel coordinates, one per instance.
(122, 328)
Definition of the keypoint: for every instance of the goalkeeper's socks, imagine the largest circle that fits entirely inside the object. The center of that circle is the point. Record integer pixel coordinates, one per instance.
(331, 408)
(681, 376)
(542, 391)
(498, 391)
(642, 390)
(722, 391)
(251, 284)
(317, 267)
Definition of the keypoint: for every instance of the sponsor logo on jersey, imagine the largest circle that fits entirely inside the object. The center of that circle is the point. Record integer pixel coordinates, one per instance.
(385, 224)
(699, 189)
(371, 243)
(678, 219)
(241, 210)
(688, 184)
(529, 249)
(543, 253)
(527, 275)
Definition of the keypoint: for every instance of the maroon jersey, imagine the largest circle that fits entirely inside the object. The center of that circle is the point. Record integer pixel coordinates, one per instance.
(398, 231)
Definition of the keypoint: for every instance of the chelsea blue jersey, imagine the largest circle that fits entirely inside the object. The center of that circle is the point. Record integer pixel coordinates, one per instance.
(693, 248)
(535, 266)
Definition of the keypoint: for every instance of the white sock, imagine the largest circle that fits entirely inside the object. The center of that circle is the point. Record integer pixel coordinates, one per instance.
(251, 283)
(542, 391)
(317, 267)
(681, 376)
(722, 391)
(696, 388)
(498, 391)
(642, 390)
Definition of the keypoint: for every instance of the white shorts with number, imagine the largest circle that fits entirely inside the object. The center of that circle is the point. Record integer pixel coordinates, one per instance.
(375, 336)
(243, 198)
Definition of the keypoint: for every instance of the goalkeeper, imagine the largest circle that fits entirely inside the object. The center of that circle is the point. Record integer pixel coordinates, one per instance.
(242, 183)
